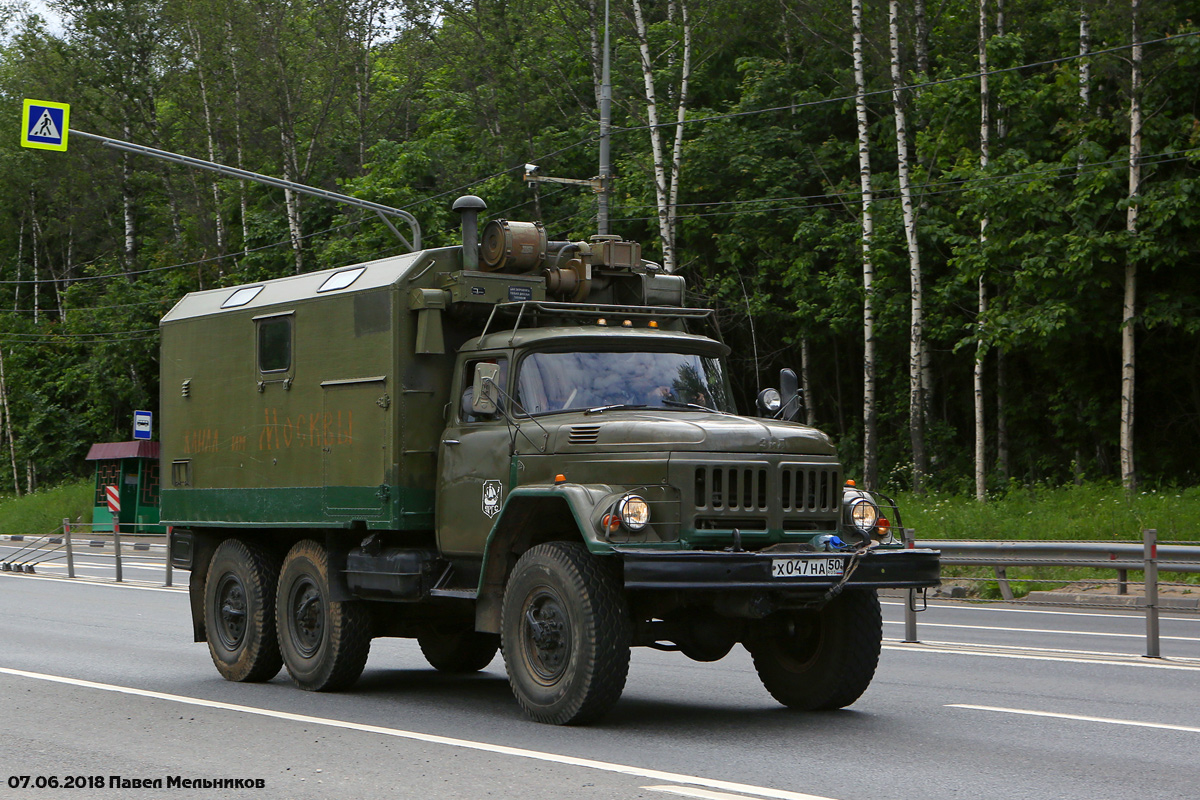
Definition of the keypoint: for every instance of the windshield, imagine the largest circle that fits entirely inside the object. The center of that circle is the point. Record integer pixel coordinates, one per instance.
(549, 382)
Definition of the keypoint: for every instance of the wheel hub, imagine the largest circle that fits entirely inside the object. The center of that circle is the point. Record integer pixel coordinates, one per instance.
(548, 643)
(231, 616)
(307, 617)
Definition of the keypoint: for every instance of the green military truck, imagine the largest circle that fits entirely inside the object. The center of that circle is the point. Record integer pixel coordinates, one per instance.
(514, 443)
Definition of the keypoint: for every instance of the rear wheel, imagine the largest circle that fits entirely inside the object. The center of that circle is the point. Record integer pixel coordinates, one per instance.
(239, 612)
(458, 651)
(324, 643)
(565, 633)
(820, 660)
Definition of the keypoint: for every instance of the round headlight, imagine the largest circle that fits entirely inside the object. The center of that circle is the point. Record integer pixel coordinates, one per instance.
(863, 515)
(634, 512)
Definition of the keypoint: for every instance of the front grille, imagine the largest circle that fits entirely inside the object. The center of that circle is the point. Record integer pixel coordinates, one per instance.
(750, 488)
(809, 489)
(731, 488)
(583, 434)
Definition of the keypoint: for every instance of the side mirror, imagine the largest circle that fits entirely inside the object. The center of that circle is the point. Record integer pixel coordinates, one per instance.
(789, 388)
(485, 390)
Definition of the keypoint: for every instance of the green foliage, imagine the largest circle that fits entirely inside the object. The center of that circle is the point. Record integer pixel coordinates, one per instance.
(43, 511)
(413, 104)
(1093, 511)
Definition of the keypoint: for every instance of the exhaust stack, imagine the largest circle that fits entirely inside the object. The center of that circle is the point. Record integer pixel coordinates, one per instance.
(469, 207)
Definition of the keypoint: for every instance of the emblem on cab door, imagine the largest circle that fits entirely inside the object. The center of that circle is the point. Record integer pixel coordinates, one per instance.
(492, 494)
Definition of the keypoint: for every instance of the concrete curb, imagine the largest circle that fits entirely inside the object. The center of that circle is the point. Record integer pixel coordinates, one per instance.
(1134, 601)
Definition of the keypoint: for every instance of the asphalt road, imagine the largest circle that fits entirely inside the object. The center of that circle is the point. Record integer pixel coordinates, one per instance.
(101, 680)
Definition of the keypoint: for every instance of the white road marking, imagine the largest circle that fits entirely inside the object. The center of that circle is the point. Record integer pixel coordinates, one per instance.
(467, 744)
(687, 791)
(1020, 654)
(1078, 717)
(1041, 630)
(991, 610)
(83, 581)
(109, 565)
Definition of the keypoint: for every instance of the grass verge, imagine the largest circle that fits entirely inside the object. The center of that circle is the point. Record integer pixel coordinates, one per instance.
(1092, 511)
(43, 511)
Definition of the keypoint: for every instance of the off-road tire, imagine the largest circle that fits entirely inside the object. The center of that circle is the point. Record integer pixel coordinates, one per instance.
(324, 643)
(460, 651)
(820, 660)
(239, 612)
(565, 633)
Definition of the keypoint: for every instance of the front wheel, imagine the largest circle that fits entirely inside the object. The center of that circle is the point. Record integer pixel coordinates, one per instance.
(565, 633)
(820, 660)
(324, 642)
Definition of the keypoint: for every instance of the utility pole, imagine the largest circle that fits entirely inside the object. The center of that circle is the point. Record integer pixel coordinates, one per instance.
(602, 184)
(605, 125)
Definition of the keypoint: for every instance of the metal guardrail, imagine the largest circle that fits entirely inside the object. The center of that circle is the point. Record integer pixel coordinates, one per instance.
(1098, 555)
(65, 544)
(1148, 557)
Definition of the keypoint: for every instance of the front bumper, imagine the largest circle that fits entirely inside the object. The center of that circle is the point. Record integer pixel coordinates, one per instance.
(705, 570)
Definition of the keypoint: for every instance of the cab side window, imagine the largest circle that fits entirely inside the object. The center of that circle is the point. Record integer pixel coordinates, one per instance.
(468, 389)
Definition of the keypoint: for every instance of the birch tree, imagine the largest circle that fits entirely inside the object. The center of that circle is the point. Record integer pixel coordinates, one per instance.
(8, 427)
(985, 133)
(1128, 308)
(916, 351)
(666, 184)
(196, 42)
(870, 412)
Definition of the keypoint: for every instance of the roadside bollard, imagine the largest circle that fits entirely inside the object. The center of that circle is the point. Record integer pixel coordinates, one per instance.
(70, 553)
(910, 608)
(1150, 555)
(170, 533)
(117, 546)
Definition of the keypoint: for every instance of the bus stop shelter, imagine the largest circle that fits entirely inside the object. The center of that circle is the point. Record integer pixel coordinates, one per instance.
(133, 468)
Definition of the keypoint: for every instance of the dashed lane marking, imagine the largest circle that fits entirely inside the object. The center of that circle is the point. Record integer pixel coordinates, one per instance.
(688, 791)
(1077, 717)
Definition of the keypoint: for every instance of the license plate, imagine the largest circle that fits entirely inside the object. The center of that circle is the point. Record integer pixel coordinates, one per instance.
(806, 567)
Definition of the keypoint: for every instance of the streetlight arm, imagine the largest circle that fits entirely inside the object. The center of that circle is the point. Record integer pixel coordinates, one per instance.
(383, 211)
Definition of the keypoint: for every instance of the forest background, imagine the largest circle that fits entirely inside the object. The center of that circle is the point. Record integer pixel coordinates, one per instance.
(970, 224)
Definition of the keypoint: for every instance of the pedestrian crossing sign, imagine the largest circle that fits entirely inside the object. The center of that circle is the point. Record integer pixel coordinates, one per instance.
(44, 125)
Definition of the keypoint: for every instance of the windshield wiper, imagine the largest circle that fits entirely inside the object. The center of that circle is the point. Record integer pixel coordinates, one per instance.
(680, 404)
(602, 409)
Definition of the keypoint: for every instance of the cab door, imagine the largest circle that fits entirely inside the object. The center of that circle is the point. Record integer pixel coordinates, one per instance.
(473, 467)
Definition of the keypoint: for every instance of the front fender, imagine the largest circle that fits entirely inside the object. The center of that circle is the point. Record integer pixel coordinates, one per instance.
(532, 515)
